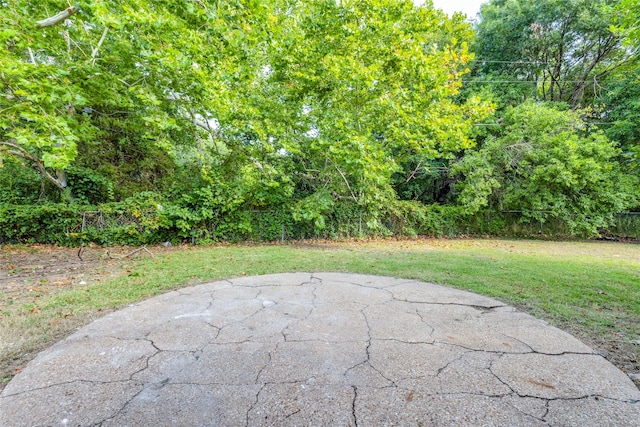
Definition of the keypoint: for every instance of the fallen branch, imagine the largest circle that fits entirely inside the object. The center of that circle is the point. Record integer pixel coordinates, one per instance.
(56, 19)
(144, 248)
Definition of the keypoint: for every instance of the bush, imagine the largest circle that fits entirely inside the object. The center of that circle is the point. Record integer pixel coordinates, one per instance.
(52, 223)
(409, 218)
(23, 185)
(543, 163)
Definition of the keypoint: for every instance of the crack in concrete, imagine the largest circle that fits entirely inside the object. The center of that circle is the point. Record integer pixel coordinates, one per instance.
(230, 324)
(76, 381)
(211, 295)
(546, 410)
(304, 319)
(586, 396)
(353, 405)
(549, 399)
(259, 392)
(147, 359)
(562, 353)
(386, 287)
(253, 405)
(376, 288)
(130, 379)
(286, 417)
(408, 342)
(630, 401)
(367, 361)
(218, 329)
(503, 352)
(425, 322)
(480, 350)
(246, 341)
(531, 350)
(490, 369)
(439, 371)
(501, 398)
(265, 365)
(122, 408)
(480, 308)
(368, 356)
(211, 301)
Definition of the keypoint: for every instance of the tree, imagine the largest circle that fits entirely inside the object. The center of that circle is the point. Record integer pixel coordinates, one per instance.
(621, 100)
(556, 50)
(546, 163)
(622, 115)
(628, 13)
(355, 88)
(315, 104)
(140, 61)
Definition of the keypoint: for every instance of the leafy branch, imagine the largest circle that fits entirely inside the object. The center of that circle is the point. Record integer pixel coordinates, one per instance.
(16, 150)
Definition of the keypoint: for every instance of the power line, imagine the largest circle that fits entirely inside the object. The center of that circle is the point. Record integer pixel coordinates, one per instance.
(585, 123)
(509, 62)
(532, 81)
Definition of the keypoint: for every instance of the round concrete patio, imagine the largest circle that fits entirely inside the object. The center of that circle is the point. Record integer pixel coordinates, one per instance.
(319, 349)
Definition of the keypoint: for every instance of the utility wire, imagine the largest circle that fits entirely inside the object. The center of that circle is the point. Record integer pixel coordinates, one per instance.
(509, 62)
(533, 81)
(585, 123)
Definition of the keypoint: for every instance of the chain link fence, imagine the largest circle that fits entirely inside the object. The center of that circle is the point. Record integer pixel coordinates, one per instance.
(279, 225)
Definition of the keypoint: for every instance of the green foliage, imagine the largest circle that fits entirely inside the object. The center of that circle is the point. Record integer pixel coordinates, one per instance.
(225, 120)
(19, 185)
(628, 20)
(355, 88)
(623, 99)
(51, 223)
(555, 50)
(89, 187)
(408, 218)
(544, 164)
(139, 61)
(423, 180)
(119, 154)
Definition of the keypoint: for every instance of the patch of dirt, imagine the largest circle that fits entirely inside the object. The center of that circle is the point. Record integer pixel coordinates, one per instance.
(30, 273)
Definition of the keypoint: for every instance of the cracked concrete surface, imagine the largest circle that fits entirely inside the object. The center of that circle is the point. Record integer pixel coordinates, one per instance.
(319, 349)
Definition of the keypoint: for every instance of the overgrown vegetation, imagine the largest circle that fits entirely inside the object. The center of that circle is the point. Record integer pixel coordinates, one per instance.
(136, 122)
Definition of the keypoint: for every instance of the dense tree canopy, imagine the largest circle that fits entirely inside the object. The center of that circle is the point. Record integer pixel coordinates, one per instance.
(556, 50)
(337, 91)
(204, 111)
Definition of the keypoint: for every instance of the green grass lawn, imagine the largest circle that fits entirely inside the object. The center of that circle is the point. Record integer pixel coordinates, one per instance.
(591, 291)
(591, 287)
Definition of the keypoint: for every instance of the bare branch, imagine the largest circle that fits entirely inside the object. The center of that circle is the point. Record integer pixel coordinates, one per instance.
(18, 151)
(143, 248)
(33, 58)
(414, 173)
(56, 19)
(95, 51)
(353, 195)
